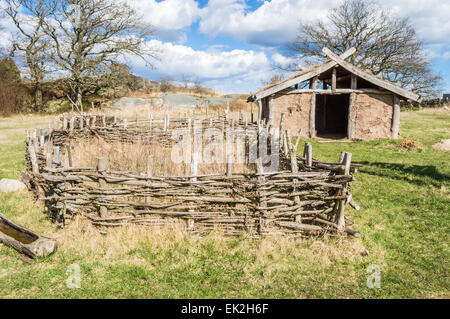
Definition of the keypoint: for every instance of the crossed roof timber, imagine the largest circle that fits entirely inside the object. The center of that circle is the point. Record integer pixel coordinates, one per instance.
(335, 60)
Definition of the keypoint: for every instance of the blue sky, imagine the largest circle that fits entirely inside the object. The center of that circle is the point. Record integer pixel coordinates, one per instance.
(232, 45)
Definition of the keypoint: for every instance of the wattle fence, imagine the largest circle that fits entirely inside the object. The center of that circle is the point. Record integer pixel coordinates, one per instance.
(303, 197)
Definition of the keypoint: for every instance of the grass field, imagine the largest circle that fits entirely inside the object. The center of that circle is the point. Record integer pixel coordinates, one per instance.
(404, 221)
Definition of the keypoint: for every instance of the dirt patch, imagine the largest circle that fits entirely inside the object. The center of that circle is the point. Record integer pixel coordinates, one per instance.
(410, 144)
(443, 145)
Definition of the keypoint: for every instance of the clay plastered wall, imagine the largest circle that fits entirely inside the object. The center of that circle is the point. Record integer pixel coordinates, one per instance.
(296, 107)
(373, 116)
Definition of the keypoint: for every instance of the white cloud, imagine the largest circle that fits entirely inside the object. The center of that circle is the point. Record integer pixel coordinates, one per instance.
(273, 23)
(281, 60)
(276, 22)
(169, 17)
(221, 69)
(431, 17)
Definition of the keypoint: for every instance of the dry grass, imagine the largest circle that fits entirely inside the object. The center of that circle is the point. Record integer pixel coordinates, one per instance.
(115, 244)
(403, 221)
(134, 157)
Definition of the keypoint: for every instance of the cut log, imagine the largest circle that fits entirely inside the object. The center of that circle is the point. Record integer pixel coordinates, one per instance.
(24, 240)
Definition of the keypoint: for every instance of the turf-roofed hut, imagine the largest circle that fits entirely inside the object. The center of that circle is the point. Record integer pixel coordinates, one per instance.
(334, 99)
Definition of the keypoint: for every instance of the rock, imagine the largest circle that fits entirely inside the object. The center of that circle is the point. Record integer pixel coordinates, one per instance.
(11, 185)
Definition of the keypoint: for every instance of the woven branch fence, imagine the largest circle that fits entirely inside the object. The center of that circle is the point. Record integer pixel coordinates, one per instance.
(305, 197)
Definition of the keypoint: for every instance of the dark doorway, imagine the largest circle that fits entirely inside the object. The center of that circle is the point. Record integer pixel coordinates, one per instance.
(332, 115)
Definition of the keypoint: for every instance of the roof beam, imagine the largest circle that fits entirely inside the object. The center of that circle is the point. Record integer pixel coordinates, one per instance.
(371, 78)
(338, 91)
(302, 77)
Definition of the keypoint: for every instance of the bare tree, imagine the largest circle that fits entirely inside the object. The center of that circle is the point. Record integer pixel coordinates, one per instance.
(274, 79)
(89, 35)
(31, 41)
(186, 79)
(166, 84)
(198, 88)
(386, 45)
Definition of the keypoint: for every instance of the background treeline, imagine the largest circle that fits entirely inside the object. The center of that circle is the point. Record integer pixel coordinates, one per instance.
(17, 94)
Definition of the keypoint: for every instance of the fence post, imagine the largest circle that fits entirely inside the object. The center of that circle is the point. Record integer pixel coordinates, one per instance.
(307, 154)
(71, 124)
(69, 154)
(194, 167)
(294, 169)
(56, 156)
(286, 143)
(102, 165)
(341, 158)
(341, 216)
(262, 197)
(33, 159)
(167, 121)
(229, 165)
(49, 154)
(150, 167)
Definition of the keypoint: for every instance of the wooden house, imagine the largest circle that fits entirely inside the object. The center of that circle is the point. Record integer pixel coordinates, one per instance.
(334, 99)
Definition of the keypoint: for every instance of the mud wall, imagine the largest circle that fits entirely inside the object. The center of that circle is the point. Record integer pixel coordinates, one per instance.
(297, 108)
(373, 116)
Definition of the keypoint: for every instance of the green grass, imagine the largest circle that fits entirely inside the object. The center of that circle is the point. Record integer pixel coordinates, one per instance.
(404, 221)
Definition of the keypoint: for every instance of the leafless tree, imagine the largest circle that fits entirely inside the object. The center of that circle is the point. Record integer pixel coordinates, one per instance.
(386, 44)
(166, 84)
(31, 41)
(89, 35)
(198, 88)
(274, 79)
(186, 79)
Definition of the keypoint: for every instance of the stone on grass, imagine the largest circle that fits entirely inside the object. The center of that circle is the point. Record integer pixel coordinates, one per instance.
(11, 185)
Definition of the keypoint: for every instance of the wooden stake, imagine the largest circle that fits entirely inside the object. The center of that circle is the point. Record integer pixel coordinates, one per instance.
(307, 153)
(351, 116)
(150, 167)
(229, 165)
(312, 112)
(341, 217)
(33, 159)
(271, 107)
(194, 167)
(396, 117)
(102, 165)
(69, 154)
